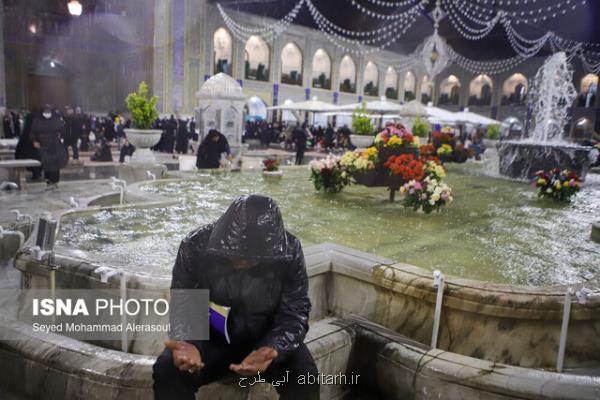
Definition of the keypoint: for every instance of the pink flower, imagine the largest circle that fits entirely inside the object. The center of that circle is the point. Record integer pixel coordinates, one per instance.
(418, 185)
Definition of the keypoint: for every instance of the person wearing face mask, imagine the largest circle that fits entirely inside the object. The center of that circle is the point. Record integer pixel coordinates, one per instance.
(46, 132)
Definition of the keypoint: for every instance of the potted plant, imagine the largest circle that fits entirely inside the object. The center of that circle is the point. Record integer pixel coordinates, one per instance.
(362, 128)
(142, 108)
(420, 128)
(271, 168)
(492, 135)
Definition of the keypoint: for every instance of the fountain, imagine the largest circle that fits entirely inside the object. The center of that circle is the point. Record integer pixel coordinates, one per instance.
(551, 95)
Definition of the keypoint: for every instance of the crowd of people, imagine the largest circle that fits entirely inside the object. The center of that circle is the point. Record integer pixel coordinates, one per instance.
(54, 136)
(286, 136)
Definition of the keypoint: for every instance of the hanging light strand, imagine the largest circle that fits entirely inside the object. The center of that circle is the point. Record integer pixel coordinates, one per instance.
(374, 14)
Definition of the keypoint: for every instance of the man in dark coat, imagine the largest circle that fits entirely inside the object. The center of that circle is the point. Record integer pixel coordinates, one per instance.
(249, 262)
(210, 150)
(46, 131)
(300, 137)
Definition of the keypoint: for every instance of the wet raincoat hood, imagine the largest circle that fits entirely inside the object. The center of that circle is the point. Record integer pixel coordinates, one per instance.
(251, 229)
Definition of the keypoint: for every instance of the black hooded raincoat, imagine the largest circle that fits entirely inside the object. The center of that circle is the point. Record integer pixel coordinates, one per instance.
(269, 301)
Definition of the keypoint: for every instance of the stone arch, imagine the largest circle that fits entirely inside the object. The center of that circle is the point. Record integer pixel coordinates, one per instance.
(222, 51)
(321, 70)
(347, 75)
(257, 57)
(291, 64)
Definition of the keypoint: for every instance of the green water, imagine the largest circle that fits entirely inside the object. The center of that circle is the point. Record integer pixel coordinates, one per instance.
(495, 230)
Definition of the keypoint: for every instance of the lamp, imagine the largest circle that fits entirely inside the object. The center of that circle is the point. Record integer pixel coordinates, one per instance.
(75, 8)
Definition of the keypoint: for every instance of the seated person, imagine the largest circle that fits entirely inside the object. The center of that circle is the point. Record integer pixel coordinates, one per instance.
(126, 150)
(249, 262)
(102, 152)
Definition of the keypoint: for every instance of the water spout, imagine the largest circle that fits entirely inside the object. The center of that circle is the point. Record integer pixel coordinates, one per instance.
(552, 94)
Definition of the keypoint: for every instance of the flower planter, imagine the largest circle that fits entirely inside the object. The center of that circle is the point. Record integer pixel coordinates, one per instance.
(272, 175)
(361, 141)
(143, 139)
(366, 178)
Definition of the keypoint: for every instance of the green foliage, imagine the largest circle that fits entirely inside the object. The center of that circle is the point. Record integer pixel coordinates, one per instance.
(493, 132)
(361, 125)
(420, 127)
(142, 107)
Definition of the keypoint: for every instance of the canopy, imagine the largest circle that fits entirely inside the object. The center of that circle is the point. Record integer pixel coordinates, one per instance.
(314, 105)
(474, 118)
(436, 114)
(375, 116)
(374, 107)
(413, 108)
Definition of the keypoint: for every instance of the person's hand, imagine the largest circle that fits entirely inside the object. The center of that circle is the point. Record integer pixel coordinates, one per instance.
(257, 361)
(36, 145)
(186, 356)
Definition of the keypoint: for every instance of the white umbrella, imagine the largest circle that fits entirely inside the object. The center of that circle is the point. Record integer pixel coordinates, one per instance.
(349, 114)
(436, 114)
(314, 105)
(474, 118)
(374, 107)
(413, 108)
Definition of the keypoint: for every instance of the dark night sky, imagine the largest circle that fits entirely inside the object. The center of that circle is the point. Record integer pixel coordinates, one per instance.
(582, 24)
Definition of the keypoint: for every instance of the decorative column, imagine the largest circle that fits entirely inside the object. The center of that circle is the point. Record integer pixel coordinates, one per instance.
(176, 55)
(2, 68)
(162, 61)
(194, 37)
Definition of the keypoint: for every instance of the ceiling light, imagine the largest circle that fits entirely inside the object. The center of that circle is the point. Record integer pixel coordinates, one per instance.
(75, 8)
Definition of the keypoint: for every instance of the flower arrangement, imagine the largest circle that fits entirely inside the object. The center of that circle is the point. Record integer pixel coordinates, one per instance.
(427, 150)
(445, 135)
(427, 195)
(556, 184)
(460, 154)
(434, 170)
(328, 174)
(271, 164)
(444, 150)
(406, 166)
(396, 136)
(358, 161)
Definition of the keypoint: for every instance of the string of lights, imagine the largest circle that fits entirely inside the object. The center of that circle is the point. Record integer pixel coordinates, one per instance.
(473, 19)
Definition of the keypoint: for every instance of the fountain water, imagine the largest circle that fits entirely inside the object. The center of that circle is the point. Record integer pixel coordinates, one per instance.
(552, 94)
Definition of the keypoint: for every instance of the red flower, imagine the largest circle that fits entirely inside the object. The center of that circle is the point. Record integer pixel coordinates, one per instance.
(406, 166)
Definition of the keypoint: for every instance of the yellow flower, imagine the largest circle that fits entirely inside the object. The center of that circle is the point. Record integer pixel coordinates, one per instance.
(541, 181)
(394, 141)
(566, 184)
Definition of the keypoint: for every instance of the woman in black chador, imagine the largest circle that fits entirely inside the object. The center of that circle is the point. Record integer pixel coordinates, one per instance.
(210, 150)
(46, 130)
(25, 149)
